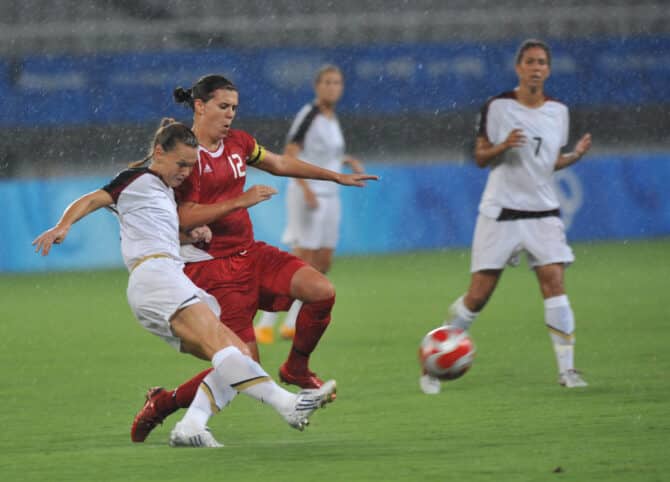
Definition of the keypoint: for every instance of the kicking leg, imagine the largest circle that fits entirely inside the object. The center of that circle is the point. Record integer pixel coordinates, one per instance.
(203, 336)
(462, 314)
(161, 403)
(464, 310)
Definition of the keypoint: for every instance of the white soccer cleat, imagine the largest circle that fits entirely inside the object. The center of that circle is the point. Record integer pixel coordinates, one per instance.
(307, 401)
(571, 379)
(430, 385)
(188, 435)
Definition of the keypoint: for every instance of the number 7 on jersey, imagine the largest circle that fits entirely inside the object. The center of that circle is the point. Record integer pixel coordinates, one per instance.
(539, 144)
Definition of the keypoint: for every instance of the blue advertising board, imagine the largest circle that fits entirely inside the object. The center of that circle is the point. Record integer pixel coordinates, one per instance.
(412, 207)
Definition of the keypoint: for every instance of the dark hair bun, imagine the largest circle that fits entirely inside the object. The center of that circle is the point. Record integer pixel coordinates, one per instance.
(166, 121)
(182, 95)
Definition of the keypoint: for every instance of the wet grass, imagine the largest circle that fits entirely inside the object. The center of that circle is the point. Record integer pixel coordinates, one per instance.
(75, 366)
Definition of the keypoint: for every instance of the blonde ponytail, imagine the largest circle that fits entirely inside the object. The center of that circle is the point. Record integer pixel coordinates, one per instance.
(167, 136)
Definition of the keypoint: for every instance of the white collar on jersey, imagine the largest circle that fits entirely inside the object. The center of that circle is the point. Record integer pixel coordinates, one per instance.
(216, 153)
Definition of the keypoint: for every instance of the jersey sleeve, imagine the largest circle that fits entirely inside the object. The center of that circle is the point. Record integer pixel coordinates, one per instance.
(565, 134)
(484, 120)
(119, 183)
(301, 124)
(253, 151)
(189, 190)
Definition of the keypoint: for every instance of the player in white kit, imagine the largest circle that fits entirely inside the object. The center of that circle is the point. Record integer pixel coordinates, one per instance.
(520, 137)
(313, 207)
(165, 301)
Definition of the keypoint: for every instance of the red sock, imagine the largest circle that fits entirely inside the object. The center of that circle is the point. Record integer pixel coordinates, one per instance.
(312, 321)
(184, 394)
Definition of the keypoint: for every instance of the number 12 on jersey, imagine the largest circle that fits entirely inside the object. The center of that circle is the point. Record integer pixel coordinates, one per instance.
(237, 165)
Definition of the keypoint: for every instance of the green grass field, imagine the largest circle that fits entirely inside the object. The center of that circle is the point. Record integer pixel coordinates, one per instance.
(75, 366)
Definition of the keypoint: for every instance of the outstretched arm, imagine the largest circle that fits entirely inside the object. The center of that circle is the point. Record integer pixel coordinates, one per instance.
(290, 166)
(73, 213)
(581, 148)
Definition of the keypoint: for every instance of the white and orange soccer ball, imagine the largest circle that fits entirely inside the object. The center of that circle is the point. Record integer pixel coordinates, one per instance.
(446, 353)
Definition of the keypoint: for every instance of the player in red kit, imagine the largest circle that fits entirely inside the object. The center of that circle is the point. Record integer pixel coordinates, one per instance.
(243, 274)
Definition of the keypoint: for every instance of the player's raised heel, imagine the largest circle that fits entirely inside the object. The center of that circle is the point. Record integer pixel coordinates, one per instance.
(149, 416)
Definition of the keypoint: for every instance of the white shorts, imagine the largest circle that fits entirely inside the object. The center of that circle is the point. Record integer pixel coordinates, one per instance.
(500, 243)
(157, 289)
(311, 228)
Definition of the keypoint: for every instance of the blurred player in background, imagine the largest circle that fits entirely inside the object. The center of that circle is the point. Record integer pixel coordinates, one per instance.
(520, 136)
(241, 273)
(165, 301)
(313, 207)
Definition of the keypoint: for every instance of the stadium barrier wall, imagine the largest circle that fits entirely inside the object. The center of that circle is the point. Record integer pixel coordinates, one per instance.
(412, 207)
(388, 79)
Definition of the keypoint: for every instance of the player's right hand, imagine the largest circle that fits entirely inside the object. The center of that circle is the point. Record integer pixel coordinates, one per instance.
(256, 194)
(515, 139)
(311, 200)
(44, 241)
(201, 234)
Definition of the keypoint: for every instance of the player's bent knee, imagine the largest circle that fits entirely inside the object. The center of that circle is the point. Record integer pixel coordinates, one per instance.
(310, 286)
(201, 333)
(325, 290)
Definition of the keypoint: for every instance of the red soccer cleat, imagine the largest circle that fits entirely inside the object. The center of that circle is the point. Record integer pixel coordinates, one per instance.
(308, 379)
(150, 416)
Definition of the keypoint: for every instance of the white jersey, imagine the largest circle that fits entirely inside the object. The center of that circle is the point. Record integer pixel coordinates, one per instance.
(147, 212)
(521, 178)
(322, 144)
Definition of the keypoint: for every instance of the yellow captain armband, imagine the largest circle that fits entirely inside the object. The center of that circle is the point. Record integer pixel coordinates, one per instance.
(257, 154)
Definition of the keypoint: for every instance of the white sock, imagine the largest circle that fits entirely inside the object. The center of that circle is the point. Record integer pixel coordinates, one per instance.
(268, 319)
(292, 314)
(460, 316)
(560, 320)
(240, 372)
(210, 398)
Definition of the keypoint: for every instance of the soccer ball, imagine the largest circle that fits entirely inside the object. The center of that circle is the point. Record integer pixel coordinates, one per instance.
(446, 353)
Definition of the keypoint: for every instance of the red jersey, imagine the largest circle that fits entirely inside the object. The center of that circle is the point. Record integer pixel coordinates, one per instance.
(219, 176)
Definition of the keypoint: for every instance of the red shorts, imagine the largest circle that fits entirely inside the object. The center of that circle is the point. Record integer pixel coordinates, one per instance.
(258, 278)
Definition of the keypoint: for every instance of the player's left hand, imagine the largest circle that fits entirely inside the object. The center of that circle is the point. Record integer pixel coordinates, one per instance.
(201, 234)
(356, 179)
(583, 145)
